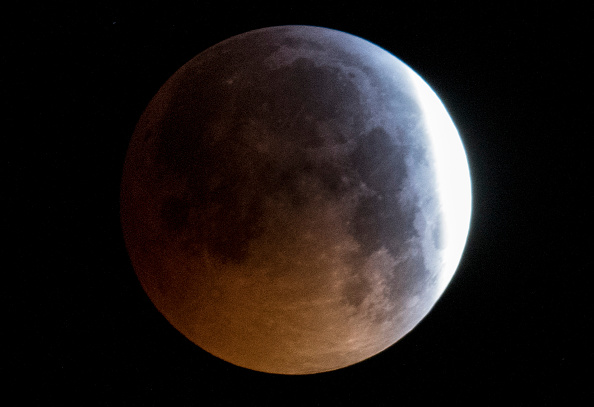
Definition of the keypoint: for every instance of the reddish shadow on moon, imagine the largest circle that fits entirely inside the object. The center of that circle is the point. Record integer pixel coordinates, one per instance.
(284, 202)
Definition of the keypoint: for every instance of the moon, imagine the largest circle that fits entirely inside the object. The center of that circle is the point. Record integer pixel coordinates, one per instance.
(295, 200)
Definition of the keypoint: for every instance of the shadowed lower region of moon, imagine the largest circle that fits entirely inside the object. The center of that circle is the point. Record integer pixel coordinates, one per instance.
(295, 200)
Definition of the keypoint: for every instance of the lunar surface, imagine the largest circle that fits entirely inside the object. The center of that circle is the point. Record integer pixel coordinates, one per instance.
(295, 200)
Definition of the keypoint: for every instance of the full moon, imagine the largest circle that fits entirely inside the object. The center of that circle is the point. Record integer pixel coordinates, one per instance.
(295, 199)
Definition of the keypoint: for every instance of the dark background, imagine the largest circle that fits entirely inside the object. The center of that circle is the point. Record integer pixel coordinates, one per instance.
(511, 328)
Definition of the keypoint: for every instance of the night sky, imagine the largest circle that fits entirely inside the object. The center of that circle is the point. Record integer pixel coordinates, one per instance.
(511, 328)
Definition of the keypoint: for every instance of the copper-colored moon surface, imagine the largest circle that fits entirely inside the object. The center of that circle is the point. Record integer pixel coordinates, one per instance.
(295, 199)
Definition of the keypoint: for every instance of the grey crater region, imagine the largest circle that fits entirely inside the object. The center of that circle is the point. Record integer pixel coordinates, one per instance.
(281, 201)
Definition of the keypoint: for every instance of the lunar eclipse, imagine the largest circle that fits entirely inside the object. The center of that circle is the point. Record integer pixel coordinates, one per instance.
(295, 200)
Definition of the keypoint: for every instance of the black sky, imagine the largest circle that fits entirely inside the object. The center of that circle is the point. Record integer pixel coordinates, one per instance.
(511, 328)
